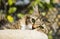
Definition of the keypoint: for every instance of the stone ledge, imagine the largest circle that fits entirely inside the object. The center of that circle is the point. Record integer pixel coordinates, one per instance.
(22, 34)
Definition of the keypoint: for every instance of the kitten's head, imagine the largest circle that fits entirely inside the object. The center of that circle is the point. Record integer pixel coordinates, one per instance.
(38, 24)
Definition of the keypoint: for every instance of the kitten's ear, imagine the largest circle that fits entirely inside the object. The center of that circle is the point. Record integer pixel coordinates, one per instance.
(36, 12)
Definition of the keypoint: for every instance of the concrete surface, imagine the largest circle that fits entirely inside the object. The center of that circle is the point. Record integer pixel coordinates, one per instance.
(22, 34)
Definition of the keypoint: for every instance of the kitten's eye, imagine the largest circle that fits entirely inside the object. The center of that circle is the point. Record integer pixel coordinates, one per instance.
(33, 20)
(41, 27)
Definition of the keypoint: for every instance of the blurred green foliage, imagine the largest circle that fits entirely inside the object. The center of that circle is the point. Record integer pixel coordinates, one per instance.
(43, 13)
(19, 15)
(42, 4)
(50, 35)
(10, 2)
(0, 1)
(10, 18)
(12, 10)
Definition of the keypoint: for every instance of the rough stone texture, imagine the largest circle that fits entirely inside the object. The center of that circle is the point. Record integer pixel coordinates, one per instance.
(22, 34)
